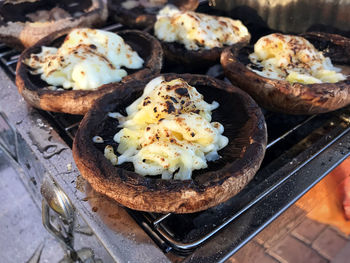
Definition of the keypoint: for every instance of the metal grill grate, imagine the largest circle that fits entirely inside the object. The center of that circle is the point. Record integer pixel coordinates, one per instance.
(294, 143)
(325, 131)
(8, 59)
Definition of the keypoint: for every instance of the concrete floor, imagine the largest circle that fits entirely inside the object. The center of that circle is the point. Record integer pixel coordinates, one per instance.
(22, 235)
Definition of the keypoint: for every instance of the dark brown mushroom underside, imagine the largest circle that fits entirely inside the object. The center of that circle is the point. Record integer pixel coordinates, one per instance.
(79, 101)
(177, 53)
(140, 17)
(292, 98)
(19, 32)
(244, 126)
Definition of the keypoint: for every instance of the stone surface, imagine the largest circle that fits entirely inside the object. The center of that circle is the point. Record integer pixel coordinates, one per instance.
(343, 256)
(341, 233)
(252, 253)
(329, 243)
(308, 230)
(280, 227)
(290, 250)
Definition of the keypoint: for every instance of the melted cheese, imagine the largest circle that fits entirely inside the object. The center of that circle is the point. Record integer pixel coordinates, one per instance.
(87, 59)
(293, 58)
(196, 30)
(168, 131)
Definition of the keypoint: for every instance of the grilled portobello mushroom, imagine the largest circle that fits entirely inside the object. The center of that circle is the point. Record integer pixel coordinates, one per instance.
(35, 91)
(196, 40)
(293, 98)
(142, 13)
(244, 126)
(24, 22)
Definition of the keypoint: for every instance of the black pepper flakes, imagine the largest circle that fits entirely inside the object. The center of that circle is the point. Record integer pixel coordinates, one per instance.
(155, 109)
(193, 134)
(182, 91)
(146, 101)
(173, 99)
(170, 107)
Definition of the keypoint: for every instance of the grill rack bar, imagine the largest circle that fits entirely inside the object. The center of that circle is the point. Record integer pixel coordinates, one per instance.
(152, 223)
(289, 132)
(8, 59)
(157, 221)
(189, 246)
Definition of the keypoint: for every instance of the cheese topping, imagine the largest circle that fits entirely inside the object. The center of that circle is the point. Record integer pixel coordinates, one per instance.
(168, 131)
(196, 30)
(87, 59)
(293, 58)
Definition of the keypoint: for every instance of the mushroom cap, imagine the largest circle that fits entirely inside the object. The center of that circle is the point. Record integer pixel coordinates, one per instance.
(32, 89)
(244, 125)
(292, 98)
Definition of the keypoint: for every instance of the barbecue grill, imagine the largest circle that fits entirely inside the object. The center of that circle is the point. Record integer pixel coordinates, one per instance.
(301, 150)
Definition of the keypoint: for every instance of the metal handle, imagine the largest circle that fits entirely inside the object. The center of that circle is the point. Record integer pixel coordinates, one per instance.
(3, 146)
(54, 198)
(65, 240)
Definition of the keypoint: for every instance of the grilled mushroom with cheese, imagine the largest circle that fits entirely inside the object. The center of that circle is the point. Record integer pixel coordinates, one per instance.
(174, 143)
(67, 70)
(24, 22)
(142, 13)
(293, 74)
(196, 39)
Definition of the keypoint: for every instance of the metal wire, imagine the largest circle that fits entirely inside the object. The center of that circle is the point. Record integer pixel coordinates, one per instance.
(289, 132)
(191, 245)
